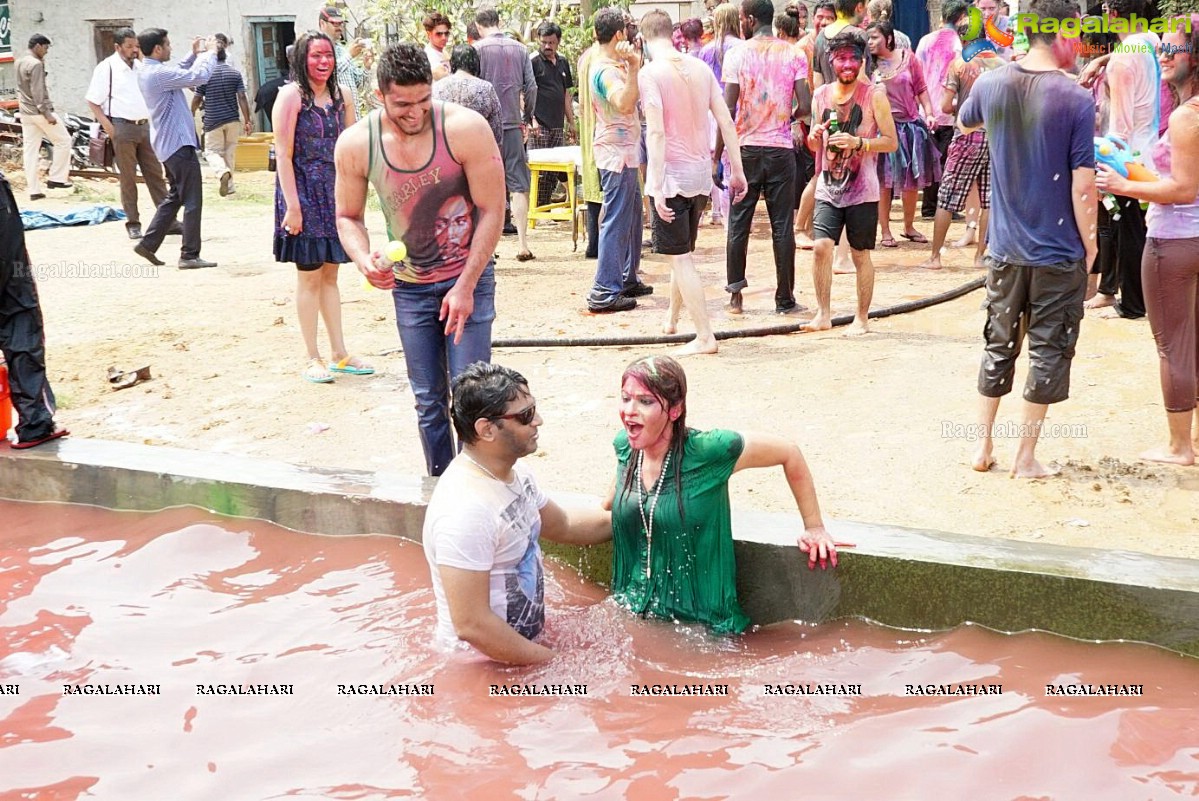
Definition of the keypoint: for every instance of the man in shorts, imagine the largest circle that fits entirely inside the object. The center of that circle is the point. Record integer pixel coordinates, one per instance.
(847, 188)
(677, 95)
(1040, 130)
(486, 518)
(968, 161)
(504, 63)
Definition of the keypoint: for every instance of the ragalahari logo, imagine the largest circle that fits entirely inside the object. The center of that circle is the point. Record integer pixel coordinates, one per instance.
(983, 34)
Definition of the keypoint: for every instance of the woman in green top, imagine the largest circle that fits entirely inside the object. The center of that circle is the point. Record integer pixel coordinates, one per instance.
(672, 531)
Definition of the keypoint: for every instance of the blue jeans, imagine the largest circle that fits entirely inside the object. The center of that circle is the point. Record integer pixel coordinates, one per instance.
(433, 360)
(619, 236)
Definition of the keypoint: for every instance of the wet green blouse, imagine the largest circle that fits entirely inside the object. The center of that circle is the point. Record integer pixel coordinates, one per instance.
(694, 573)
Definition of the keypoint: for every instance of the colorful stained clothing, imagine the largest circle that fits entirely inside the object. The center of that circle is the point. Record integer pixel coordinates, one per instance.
(616, 141)
(317, 129)
(1040, 129)
(1134, 79)
(670, 83)
(1172, 220)
(916, 163)
(822, 58)
(714, 56)
(766, 69)
(962, 75)
(504, 63)
(692, 572)
(846, 179)
(430, 209)
(936, 53)
(592, 192)
(903, 80)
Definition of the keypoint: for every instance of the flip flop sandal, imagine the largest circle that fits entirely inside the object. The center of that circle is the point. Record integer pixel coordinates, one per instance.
(124, 380)
(344, 366)
(918, 238)
(313, 377)
(888, 242)
(31, 443)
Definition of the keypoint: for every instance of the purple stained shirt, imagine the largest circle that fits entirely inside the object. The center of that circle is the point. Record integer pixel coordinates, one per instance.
(765, 69)
(847, 179)
(903, 80)
(936, 52)
(708, 55)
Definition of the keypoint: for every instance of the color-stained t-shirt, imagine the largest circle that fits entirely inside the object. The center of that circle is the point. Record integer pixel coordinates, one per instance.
(847, 179)
(474, 522)
(684, 89)
(765, 69)
(963, 74)
(709, 55)
(936, 52)
(1040, 128)
(1134, 90)
(1172, 220)
(616, 141)
(688, 571)
(903, 80)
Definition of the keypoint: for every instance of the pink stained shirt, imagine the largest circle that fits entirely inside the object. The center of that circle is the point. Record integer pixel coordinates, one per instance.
(936, 52)
(1134, 89)
(765, 69)
(684, 88)
(904, 83)
(616, 142)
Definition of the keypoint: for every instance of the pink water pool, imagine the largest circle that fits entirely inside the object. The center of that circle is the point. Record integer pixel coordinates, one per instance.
(183, 655)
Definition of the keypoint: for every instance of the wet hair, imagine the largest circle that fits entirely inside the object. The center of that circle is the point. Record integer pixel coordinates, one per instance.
(472, 32)
(404, 64)
(826, 5)
(663, 376)
(846, 7)
(149, 39)
(1126, 8)
(608, 21)
(487, 17)
(692, 29)
(953, 10)
(299, 67)
(726, 21)
(433, 19)
(656, 25)
(464, 57)
(482, 392)
(1050, 9)
(886, 29)
(38, 39)
(121, 34)
(760, 11)
(852, 39)
(787, 22)
(548, 28)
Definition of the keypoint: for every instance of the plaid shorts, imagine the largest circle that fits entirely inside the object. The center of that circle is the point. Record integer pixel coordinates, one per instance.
(968, 161)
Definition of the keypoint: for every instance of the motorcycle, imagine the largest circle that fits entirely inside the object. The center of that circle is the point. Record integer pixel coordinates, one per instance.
(78, 127)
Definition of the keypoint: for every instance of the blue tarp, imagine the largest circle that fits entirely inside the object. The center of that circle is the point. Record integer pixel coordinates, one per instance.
(93, 215)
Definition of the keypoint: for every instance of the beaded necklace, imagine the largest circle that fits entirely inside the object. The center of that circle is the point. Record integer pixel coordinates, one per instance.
(648, 524)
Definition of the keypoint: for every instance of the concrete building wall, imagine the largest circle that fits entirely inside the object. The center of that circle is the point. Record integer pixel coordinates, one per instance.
(71, 27)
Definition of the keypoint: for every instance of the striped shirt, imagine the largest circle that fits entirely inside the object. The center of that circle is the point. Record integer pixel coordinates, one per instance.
(220, 96)
(171, 123)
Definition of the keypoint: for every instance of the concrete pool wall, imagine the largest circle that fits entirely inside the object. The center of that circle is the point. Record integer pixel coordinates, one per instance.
(895, 576)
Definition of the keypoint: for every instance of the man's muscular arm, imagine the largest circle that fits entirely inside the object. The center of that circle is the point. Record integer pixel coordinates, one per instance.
(351, 157)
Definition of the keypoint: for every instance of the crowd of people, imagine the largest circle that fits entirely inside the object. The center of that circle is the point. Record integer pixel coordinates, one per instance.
(828, 126)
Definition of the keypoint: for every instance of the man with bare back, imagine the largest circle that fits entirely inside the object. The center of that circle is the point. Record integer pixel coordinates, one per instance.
(439, 177)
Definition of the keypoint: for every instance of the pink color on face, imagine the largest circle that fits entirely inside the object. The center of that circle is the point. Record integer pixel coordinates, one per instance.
(320, 61)
(846, 64)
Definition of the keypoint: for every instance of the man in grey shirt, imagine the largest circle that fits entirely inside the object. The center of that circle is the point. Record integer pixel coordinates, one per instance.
(38, 121)
(504, 63)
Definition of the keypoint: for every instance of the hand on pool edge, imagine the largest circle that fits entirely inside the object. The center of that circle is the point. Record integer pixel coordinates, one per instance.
(817, 544)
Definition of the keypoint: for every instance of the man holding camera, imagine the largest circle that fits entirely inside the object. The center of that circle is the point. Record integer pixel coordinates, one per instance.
(353, 72)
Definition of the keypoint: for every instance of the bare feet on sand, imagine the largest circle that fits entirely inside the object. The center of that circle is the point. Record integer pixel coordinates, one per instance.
(980, 263)
(983, 461)
(1100, 301)
(804, 242)
(697, 346)
(670, 326)
(968, 238)
(821, 322)
(1166, 454)
(843, 267)
(931, 263)
(857, 328)
(1031, 469)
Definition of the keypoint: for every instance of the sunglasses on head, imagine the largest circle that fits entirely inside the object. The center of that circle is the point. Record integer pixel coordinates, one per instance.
(524, 416)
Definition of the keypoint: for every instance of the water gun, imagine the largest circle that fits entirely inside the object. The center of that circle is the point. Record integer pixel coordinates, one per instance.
(1114, 152)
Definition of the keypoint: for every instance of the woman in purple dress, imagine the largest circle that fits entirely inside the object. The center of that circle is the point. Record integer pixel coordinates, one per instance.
(309, 114)
(916, 163)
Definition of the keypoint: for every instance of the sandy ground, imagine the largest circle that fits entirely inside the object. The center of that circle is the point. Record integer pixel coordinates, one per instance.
(875, 415)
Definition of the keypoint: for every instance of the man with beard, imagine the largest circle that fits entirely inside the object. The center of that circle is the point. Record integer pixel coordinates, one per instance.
(847, 189)
(420, 156)
(485, 520)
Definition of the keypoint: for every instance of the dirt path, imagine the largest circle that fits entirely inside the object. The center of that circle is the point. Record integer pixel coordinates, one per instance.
(881, 418)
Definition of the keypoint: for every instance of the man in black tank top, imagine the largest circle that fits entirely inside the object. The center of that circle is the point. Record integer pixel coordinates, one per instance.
(440, 180)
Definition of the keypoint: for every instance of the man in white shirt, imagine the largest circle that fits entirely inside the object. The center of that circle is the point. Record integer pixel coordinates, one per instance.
(437, 31)
(678, 93)
(117, 103)
(486, 517)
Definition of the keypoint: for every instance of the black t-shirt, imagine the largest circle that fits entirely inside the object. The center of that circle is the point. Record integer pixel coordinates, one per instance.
(264, 100)
(553, 81)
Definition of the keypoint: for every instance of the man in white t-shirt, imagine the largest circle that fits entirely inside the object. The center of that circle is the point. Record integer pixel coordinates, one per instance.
(486, 517)
(437, 31)
(678, 93)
